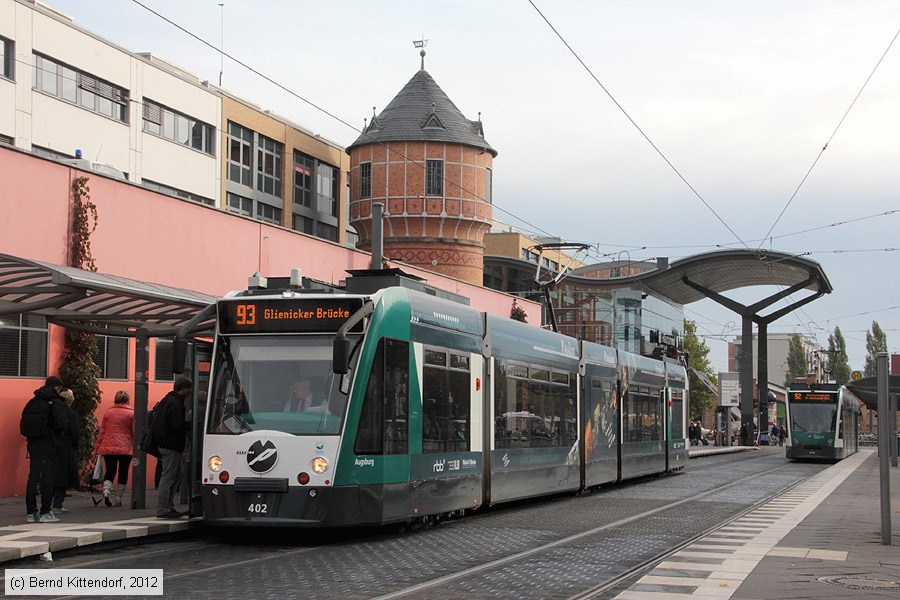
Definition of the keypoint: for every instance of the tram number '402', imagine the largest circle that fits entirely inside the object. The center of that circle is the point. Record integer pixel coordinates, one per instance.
(257, 508)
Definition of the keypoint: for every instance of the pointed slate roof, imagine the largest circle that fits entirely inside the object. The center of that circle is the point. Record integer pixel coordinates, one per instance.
(421, 111)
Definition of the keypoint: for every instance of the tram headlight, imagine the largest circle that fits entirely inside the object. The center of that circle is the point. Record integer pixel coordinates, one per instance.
(319, 465)
(215, 462)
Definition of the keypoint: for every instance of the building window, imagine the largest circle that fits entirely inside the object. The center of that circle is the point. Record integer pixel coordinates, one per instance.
(326, 189)
(163, 361)
(268, 214)
(352, 238)
(112, 357)
(7, 59)
(304, 224)
(327, 232)
(303, 177)
(79, 88)
(365, 180)
(240, 154)
(488, 186)
(434, 178)
(268, 166)
(23, 346)
(239, 204)
(7, 139)
(178, 128)
(165, 189)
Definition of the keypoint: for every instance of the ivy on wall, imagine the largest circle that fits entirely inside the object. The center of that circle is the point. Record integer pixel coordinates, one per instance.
(79, 372)
(517, 312)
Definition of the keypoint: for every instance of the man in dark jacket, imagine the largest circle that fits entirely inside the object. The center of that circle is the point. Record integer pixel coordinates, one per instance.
(169, 429)
(43, 450)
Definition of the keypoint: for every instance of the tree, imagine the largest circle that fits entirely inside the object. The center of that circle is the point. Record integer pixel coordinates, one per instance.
(837, 353)
(701, 397)
(876, 341)
(796, 361)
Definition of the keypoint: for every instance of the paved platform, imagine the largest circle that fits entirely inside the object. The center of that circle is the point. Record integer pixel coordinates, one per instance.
(82, 524)
(821, 539)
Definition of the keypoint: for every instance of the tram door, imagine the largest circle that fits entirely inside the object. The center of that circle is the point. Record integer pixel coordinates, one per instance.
(201, 358)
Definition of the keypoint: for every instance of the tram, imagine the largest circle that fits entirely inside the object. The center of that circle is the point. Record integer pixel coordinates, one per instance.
(822, 422)
(419, 408)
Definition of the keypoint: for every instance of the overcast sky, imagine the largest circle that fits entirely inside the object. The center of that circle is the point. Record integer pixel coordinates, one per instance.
(739, 96)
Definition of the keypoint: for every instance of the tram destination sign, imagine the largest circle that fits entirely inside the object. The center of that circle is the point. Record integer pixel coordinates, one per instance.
(287, 315)
(813, 396)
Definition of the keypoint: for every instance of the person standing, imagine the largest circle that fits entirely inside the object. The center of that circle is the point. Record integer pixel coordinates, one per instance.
(115, 443)
(42, 423)
(169, 428)
(67, 465)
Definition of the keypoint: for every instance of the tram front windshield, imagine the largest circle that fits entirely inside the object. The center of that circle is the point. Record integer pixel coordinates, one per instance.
(275, 383)
(809, 416)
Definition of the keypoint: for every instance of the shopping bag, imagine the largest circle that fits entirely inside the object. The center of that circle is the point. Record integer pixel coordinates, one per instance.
(94, 476)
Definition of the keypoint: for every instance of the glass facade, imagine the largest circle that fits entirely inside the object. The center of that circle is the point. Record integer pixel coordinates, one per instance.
(315, 206)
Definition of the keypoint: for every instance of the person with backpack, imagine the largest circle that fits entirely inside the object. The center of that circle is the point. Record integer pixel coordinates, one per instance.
(169, 427)
(43, 422)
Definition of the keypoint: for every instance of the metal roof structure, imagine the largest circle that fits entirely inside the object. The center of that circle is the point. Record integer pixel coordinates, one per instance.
(866, 389)
(421, 111)
(94, 301)
(719, 272)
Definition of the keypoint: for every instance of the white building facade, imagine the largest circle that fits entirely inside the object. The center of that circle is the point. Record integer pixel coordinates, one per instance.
(778, 345)
(64, 89)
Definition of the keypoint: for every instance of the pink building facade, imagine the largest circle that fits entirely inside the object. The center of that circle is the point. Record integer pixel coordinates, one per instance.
(157, 238)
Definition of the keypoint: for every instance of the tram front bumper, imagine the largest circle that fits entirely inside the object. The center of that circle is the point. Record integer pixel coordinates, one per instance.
(298, 507)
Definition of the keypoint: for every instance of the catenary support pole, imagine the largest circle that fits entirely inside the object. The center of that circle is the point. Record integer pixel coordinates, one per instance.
(885, 439)
(141, 395)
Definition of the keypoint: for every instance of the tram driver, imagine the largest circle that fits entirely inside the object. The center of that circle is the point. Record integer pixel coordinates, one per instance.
(300, 396)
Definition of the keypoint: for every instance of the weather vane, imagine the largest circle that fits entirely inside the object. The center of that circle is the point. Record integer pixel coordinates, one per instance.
(421, 43)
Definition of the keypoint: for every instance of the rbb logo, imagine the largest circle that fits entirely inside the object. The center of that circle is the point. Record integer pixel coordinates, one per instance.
(438, 466)
(261, 457)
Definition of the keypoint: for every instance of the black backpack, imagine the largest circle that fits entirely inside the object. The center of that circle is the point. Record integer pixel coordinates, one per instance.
(35, 421)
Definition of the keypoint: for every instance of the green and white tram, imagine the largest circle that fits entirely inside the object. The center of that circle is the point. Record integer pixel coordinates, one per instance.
(420, 408)
(822, 422)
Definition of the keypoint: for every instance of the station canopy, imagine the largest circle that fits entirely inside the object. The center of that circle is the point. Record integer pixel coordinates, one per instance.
(96, 302)
(721, 271)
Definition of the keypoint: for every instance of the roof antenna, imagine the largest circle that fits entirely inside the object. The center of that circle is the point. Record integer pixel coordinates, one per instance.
(421, 43)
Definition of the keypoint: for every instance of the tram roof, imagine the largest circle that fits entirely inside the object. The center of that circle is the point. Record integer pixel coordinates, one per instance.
(113, 305)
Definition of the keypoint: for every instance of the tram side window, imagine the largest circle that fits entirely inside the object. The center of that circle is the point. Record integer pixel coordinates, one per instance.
(642, 406)
(534, 406)
(445, 401)
(677, 414)
(383, 423)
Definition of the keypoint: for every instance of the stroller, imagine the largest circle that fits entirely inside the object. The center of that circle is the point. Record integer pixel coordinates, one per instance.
(93, 478)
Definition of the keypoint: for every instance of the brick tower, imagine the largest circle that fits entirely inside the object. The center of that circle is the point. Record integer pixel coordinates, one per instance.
(431, 169)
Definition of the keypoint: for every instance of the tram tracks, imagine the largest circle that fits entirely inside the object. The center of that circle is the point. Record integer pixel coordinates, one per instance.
(420, 589)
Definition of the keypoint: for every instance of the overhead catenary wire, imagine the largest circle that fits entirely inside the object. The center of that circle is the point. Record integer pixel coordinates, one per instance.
(831, 137)
(636, 126)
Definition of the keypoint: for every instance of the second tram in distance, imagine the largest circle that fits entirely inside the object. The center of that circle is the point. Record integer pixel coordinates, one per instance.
(397, 406)
(822, 422)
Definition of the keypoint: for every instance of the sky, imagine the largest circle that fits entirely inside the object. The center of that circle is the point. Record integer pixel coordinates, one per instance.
(689, 126)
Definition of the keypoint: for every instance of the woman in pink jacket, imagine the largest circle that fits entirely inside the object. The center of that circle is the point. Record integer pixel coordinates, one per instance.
(115, 443)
